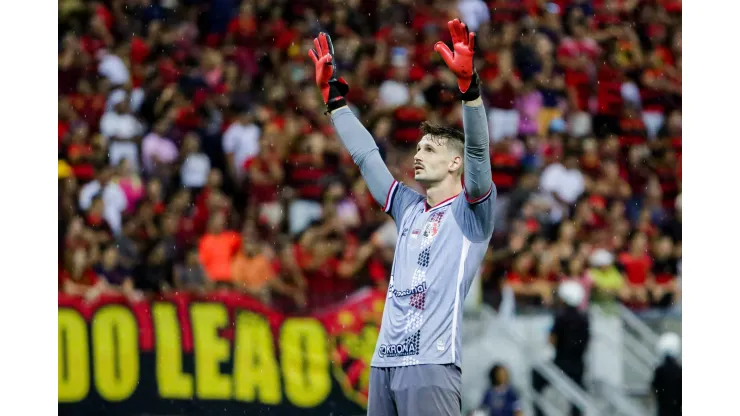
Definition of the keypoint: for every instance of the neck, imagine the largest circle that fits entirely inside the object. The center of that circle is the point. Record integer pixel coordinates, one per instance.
(443, 190)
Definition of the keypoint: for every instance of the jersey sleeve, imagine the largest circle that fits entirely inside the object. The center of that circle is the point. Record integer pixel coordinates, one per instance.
(476, 216)
(390, 194)
(400, 197)
(475, 212)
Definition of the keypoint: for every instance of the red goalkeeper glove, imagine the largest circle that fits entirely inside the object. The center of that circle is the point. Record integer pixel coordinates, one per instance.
(461, 61)
(333, 89)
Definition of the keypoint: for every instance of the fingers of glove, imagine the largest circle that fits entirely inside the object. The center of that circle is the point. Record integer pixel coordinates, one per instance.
(445, 52)
(464, 32)
(324, 43)
(453, 30)
(460, 31)
(471, 41)
(314, 56)
(317, 46)
(330, 45)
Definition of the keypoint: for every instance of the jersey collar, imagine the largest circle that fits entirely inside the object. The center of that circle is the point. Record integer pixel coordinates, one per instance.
(444, 203)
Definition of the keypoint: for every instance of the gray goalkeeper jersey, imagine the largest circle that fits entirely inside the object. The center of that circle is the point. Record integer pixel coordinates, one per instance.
(439, 249)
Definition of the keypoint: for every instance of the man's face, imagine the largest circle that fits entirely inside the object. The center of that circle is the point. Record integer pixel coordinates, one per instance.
(111, 257)
(571, 162)
(214, 178)
(401, 73)
(105, 175)
(434, 160)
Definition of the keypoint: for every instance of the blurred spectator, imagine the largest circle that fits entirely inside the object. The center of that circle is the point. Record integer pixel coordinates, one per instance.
(254, 272)
(240, 143)
(395, 91)
(78, 276)
(110, 194)
(666, 383)
(190, 276)
(637, 265)
(529, 288)
(158, 152)
(123, 132)
(576, 54)
(115, 274)
(157, 275)
(135, 95)
(608, 282)
(111, 66)
(563, 183)
(216, 249)
(502, 86)
(131, 184)
(195, 165)
(528, 105)
(306, 167)
(665, 290)
(501, 399)
(474, 13)
(266, 174)
(129, 250)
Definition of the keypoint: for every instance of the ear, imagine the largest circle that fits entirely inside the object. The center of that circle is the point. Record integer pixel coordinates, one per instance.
(456, 164)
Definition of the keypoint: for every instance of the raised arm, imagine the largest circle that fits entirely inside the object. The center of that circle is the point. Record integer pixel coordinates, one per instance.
(355, 137)
(475, 215)
(361, 146)
(477, 179)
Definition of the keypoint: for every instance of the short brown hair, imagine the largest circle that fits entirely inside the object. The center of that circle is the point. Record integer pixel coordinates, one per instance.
(452, 137)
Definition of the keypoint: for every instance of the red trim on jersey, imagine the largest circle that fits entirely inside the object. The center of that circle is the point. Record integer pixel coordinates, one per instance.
(388, 198)
(480, 198)
(427, 207)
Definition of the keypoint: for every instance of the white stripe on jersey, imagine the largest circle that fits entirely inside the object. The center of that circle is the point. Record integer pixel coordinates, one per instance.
(389, 197)
(460, 274)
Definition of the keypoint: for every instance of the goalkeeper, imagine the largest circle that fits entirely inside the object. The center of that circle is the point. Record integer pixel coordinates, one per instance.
(442, 237)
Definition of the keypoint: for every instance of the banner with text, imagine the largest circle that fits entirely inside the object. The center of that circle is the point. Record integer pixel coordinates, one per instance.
(214, 354)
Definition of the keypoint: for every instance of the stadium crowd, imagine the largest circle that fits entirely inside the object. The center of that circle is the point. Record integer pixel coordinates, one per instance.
(194, 152)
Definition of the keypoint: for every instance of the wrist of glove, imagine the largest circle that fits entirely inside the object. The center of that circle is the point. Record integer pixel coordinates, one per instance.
(469, 88)
(334, 92)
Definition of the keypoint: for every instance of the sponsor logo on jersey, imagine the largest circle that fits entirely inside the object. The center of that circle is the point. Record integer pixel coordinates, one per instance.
(418, 289)
(409, 346)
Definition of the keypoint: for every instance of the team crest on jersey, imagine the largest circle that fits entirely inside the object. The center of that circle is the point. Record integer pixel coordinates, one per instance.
(431, 228)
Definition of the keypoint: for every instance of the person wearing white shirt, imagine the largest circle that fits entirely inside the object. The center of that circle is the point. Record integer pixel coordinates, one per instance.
(562, 185)
(157, 150)
(395, 91)
(113, 68)
(122, 130)
(196, 165)
(474, 13)
(135, 96)
(114, 200)
(240, 143)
